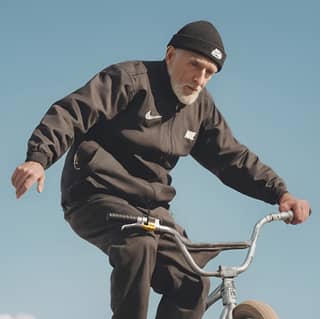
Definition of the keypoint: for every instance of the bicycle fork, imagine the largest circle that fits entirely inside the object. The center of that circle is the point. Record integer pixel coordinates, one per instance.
(227, 292)
(229, 298)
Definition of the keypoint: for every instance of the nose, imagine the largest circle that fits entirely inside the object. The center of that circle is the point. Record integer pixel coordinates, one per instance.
(200, 79)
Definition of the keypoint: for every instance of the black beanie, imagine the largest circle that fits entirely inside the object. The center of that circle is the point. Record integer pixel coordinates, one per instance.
(201, 37)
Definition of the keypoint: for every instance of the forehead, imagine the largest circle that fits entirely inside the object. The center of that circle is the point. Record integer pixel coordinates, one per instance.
(201, 59)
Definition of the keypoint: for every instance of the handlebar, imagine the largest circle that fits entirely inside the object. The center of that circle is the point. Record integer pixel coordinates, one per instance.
(154, 224)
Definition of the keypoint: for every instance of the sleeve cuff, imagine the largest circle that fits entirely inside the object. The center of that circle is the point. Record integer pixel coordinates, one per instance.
(37, 157)
(280, 193)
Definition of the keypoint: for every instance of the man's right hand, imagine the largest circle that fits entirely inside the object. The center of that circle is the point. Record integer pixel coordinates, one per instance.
(26, 175)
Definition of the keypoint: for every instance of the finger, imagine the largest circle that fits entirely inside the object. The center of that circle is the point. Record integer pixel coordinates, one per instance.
(302, 212)
(306, 208)
(16, 176)
(300, 215)
(284, 207)
(296, 218)
(21, 179)
(13, 177)
(25, 186)
(40, 184)
(21, 173)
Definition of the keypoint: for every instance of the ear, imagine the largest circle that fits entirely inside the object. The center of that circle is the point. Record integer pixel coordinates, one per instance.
(171, 52)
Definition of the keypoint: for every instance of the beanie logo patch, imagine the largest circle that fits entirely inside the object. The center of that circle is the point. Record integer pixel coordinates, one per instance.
(190, 135)
(216, 53)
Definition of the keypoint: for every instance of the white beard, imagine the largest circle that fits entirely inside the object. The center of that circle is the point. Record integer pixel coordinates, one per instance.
(178, 91)
(177, 88)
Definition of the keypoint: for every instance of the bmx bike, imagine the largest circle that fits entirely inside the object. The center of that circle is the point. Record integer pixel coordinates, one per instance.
(226, 290)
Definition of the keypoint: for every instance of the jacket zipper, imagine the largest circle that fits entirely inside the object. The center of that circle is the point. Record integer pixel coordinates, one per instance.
(170, 152)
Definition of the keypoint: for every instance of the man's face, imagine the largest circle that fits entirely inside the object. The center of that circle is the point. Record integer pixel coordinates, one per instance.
(189, 73)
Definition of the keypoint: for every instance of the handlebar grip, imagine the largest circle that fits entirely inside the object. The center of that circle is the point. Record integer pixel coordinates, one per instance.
(284, 216)
(287, 216)
(128, 219)
(122, 218)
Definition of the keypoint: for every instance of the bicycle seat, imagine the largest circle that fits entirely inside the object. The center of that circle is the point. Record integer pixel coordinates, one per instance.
(218, 246)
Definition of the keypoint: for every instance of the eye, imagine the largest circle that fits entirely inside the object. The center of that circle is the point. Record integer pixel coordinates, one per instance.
(194, 63)
(209, 73)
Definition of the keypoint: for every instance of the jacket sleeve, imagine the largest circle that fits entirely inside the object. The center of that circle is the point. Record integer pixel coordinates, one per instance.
(233, 163)
(102, 97)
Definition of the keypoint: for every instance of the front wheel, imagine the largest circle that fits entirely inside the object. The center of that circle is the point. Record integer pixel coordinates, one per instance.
(252, 309)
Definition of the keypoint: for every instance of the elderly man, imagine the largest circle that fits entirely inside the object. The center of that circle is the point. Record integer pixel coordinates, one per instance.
(125, 130)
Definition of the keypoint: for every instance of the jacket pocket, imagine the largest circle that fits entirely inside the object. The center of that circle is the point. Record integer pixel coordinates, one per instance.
(84, 155)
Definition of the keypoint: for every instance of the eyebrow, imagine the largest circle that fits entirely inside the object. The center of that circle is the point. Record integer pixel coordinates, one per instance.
(204, 62)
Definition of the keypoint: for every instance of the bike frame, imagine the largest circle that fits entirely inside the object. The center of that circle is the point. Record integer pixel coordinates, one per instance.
(226, 290)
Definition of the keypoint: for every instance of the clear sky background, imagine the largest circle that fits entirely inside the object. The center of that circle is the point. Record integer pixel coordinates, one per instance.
(268, 91)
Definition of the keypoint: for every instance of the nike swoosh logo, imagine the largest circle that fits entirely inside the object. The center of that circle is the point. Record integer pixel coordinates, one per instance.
(149, 116)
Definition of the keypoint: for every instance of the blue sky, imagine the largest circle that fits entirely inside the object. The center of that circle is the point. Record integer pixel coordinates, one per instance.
(268, 91)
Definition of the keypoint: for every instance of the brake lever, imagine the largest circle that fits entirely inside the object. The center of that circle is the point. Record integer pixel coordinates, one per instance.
(130, 226)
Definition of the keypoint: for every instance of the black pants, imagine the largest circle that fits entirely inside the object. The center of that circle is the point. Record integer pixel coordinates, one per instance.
(140, 260)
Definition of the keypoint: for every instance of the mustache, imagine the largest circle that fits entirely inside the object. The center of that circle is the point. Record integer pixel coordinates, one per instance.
(195, 88)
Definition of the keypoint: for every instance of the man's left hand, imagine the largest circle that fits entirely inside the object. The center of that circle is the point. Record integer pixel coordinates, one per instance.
(299, 207)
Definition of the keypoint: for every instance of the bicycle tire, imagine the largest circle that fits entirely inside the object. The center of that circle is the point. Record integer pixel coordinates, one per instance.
(252, 309)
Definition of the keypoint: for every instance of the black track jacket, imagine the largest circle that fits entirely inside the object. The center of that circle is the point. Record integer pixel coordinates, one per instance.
(125, 130)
